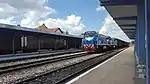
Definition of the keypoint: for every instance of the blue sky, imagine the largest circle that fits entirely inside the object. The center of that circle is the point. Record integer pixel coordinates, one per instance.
(74, 16)
(92, 19)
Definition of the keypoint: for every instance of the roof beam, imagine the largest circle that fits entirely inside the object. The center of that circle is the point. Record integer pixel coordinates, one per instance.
(117, 2)
(130, 35)
(128, 29)
(129, 32)
(126, 18)
(128, 25)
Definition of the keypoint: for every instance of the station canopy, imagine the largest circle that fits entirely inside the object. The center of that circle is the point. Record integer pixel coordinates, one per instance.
(124, 13)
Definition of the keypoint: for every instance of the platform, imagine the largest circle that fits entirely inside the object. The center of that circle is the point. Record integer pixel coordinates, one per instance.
(120, 69)
(20, 56)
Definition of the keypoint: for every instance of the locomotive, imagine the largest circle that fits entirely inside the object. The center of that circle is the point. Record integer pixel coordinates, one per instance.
(95, 42)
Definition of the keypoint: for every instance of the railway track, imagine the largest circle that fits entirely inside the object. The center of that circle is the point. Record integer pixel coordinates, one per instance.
(95, 62)
(12, 58)
(61, 75)
(57, 68)
(37, 62)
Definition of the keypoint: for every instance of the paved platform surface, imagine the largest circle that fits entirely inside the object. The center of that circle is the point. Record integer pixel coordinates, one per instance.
(119, 70)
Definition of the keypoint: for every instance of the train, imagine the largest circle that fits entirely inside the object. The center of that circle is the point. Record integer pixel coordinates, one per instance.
(95, 42)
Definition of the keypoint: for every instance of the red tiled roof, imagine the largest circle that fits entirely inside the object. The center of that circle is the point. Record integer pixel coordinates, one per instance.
(44, 28)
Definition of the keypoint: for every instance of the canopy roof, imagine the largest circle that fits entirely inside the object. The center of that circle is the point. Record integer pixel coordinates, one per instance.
(124, 12)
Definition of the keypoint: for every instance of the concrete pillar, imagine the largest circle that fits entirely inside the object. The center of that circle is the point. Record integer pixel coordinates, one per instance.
(13, 44)
(136, 46)
(75, 43)
(147, 34)
(39, 43)
(140, 72)
(67, 41)
(141, 33)
(55, 43)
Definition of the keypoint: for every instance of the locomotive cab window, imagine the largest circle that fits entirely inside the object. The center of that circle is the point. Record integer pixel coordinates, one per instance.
(89, 34)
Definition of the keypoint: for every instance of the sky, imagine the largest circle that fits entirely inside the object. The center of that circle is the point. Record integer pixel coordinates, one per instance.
(74, 16)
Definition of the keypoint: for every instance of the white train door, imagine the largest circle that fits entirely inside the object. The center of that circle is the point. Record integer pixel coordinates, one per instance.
(23, 42)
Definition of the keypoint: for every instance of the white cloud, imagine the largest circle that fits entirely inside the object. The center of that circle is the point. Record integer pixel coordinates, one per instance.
(31, 13)
(100, 8)
(110, 28)
(8, 20)
(72, 24)
(24, 10)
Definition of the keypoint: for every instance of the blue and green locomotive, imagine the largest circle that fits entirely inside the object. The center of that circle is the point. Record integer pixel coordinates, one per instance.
(95, 42)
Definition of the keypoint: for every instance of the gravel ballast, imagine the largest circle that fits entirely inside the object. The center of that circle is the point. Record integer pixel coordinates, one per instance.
(33, 71)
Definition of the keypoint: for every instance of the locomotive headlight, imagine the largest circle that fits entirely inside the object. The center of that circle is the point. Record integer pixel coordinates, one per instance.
(89, 38)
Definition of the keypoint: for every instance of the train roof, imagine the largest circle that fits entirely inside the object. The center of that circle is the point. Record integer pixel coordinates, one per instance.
(105, 36)
(112, 37)
(19, 28)
(91, 31)
(120, 40)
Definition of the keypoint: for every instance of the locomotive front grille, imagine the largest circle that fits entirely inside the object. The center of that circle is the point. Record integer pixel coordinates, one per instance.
(89, 47)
